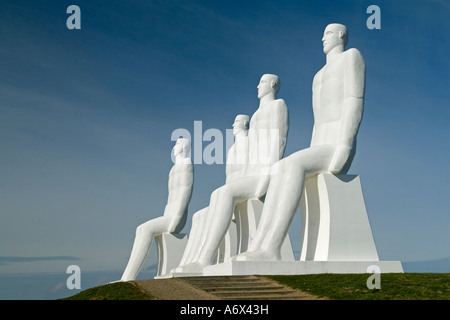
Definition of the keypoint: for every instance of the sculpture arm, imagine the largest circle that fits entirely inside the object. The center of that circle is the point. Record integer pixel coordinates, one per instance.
(229, 162)
(280, 127)
(313, 140)
(178, 210)
(179, 196)
(352, 112)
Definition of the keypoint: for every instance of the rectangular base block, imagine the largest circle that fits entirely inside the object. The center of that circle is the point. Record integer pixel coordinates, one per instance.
(300, 267)
(242, 268)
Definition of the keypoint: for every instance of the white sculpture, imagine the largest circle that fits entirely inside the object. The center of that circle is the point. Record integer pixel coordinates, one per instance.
(180, 185)
(338, 99)
(237, 158)
(267, 141)
(336, 237)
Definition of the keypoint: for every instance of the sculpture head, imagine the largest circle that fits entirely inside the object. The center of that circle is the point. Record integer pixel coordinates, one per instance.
(241, 123)
(269, 84)
(182, 147)
(335, 35)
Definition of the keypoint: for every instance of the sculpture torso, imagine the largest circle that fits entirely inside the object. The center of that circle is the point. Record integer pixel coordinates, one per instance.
(267, 136)
(179, 187)
(329, 87)
(237, 158)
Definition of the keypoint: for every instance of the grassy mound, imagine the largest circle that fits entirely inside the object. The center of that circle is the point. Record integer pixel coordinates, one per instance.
(113, 291)
(393, 286)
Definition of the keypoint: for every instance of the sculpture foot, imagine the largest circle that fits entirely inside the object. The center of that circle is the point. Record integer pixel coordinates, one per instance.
(189, 268)
(117, 281)
(234, 258)
(258, 255)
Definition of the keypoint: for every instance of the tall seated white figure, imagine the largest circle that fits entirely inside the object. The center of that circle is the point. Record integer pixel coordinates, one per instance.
(338, 99)
(237, 158)
(267, 141)
(180, 185)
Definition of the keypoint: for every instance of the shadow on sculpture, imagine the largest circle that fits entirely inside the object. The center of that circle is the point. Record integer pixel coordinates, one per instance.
(180, 185)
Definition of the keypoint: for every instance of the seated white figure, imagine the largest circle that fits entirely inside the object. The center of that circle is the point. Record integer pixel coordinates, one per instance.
(237, 158)
(180, 185)
(267, 141)
(338, 100)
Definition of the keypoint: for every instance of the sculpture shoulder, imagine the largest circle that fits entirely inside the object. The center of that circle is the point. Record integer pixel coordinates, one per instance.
(318, 75)
(187, 161)
(280, 114)
(185, 166)
(280, 105)
(354, 55)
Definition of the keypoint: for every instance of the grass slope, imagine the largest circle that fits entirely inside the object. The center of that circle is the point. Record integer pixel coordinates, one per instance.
(113, 291)
(394, 286)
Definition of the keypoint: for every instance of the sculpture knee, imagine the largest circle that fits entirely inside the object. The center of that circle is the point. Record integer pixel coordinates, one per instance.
(214, 195)
(144, 230)
(279, 168)
(223, 192)
(286, 170)
(220, 193)
(199, 216)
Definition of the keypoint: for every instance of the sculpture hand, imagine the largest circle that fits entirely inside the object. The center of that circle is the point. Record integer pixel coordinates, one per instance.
(340, 157)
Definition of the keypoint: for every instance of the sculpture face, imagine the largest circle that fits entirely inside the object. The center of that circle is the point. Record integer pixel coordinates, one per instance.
(182, 147)
(333, 36)
(240, 124)
(267, 85)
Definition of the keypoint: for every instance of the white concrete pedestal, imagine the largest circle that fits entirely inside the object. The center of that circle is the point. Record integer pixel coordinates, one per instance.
(337, 237)
(335, 225)
(170, 251)
(239, 268)
(336, 234)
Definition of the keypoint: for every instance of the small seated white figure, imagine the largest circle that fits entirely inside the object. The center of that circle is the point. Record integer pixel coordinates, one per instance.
(180, 185)
(237, 158)
(338, 99)
(267, 137)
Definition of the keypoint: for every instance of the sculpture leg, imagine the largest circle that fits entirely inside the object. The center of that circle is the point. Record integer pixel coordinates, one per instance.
(206, 223)
(219, 217)
(195, 235)
(142, 244)
(276, 180)
(217, 223)
(282, 200)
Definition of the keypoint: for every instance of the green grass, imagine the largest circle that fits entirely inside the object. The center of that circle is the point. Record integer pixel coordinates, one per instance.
(113, 291)
(393, 286)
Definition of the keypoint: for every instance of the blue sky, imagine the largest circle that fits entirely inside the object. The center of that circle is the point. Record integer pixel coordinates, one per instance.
(86, 116)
